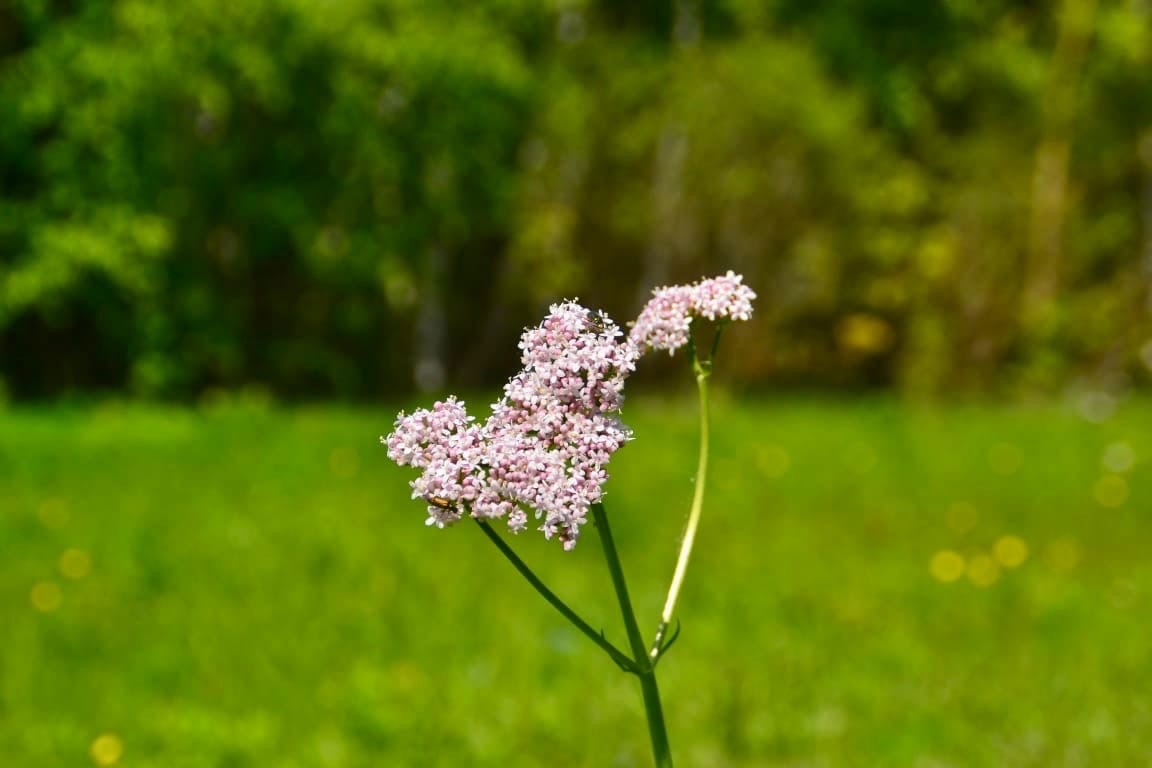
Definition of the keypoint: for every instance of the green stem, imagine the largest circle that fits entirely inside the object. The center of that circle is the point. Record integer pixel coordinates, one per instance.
(703, 370)
(661, 752)
(617, 655)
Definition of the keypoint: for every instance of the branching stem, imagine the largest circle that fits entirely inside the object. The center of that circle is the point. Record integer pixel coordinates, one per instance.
(703, 370)
(646, 671)
(617, 655)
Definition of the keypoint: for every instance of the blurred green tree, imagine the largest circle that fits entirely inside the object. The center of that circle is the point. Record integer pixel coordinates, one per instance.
(349, 199)
(255, 190)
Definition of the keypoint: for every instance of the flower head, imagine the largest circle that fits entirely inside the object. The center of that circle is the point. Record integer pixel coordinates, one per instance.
(666, 319)
(446, 444)
(544, 448)
(546, 443)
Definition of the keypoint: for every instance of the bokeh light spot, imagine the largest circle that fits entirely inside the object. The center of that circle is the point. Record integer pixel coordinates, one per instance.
(344, 462)
(1063, 554)
(1146, 354)
(1010, 551)
(1005, 459)
(1096, 407)
(773, 460)
(107, 749)
(1111, 491)
(1118, 458)
(75, 563)
(947, 566)
(983, 571)
(46, 596)
(864, 334)
(962, 517)
(53, 513)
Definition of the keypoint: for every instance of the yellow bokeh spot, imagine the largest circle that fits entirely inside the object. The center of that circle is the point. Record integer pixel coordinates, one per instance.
(75, 563)
(53, 513)
(773, 460)
(962, 517)
(107, 749)
(983, 571)
(46, 596)
(1010, 551)
(937, 254)
(1005, 459)
(864, 334)
(947, 566)
(344, 462)
(1064, 554)
(1111, 491)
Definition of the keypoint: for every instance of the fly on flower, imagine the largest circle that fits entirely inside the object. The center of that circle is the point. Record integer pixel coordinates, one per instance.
(597, 323)
(440, 503)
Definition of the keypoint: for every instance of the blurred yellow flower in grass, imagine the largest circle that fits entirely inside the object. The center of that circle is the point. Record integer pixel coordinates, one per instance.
(46, 596)
(75, 563)
(1111, 491)
(107, 749)
(983, 571)
(947, 566)
(1010, 551)
(864, 334)
(53, 513)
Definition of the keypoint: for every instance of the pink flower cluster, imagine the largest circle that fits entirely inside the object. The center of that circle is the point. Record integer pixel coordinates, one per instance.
(666, 320)
(546, 444)
(547, 441)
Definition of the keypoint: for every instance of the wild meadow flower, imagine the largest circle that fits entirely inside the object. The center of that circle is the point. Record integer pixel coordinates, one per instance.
(666, 319)
(547, 441)
(543, 450)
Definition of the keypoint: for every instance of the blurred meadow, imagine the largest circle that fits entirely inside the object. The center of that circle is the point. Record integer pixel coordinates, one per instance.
(874, 585)
(237, 237)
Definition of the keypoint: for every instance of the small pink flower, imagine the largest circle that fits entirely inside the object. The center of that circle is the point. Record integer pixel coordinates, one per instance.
(666, 319)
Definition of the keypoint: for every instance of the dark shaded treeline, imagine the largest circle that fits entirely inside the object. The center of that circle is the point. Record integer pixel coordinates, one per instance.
(349, 198)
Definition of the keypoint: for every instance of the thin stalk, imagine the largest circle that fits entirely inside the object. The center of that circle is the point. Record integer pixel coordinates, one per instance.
(657, 731)
(617, 655)
(703, 370)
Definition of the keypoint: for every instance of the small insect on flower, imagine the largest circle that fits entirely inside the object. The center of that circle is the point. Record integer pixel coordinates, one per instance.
(440, 502)
(596, 324)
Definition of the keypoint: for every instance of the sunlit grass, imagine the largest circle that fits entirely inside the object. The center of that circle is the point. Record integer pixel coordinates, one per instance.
(873, 585)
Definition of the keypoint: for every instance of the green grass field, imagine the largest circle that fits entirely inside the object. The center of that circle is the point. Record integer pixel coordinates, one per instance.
(875, 585)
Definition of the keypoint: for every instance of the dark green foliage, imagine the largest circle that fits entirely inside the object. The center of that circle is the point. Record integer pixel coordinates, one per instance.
(318, 199)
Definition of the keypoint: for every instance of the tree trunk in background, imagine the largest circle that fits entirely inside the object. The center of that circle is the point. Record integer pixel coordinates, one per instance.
(1050, 176)
(667, 198)
(1146, 249)
(666, 201)
(431, 325)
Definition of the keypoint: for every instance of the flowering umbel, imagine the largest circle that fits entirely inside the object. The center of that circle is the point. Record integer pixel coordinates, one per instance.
(545, 446)
(666, 321)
